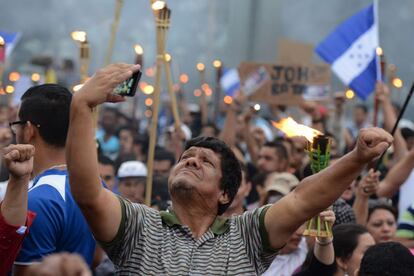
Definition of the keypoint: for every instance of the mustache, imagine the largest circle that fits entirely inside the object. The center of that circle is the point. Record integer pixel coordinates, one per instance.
(182, 189)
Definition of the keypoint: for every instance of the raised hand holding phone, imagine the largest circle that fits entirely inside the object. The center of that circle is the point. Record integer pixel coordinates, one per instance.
(128, 87)
(100, 88)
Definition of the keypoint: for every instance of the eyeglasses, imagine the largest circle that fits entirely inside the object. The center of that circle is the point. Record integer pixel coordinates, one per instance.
(13, 125)
(107, 177)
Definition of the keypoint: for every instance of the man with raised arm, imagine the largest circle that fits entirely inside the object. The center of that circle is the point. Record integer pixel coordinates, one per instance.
(191, 238)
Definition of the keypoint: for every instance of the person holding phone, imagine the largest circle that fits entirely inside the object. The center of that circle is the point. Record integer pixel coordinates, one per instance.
(192, 238)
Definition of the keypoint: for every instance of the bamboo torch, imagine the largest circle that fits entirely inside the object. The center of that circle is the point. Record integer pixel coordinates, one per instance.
(2, 61)
(84, 57)
(115, 24)
(162, 16)
(139, 59)
(203, 100)
(318, 147)
(380, 54)
(217, 94)
(174, 107)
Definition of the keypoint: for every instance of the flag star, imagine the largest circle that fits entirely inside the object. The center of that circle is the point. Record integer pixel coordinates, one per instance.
(351, 56)
(359, 46)
(359, 64)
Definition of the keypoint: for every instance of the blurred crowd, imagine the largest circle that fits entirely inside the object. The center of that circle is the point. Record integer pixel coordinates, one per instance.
(373, 220)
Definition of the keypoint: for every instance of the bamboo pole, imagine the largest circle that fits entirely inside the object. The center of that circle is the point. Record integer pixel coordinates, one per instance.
(84, 60)
(161, 19)
(174, 107)
(217, 93)
(114, 28)
(203, 99)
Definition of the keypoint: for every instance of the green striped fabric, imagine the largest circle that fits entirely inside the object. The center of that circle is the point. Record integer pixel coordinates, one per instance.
(406, 224)
(150, 242)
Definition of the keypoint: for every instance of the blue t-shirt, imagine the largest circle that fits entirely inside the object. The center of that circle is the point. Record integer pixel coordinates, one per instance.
(59, 224)
(109, 147)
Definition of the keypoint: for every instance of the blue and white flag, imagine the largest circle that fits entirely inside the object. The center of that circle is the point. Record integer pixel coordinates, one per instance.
(230, 81)
(351, 51)
(10, 40)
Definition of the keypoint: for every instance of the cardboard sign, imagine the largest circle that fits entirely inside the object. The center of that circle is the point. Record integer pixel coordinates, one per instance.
(293, 52)
(286, 84)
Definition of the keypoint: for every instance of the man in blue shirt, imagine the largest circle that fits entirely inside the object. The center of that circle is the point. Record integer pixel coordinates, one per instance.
(59, 225)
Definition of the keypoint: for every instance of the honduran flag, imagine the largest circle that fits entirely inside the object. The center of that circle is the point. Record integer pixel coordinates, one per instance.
(10, 40)
(230, 81)
(351, 51)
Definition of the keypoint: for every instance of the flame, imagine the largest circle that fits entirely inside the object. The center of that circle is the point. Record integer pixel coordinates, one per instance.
(9, 89)
(184, 78)
(349, 94)
(158, 5)
(397, 82)
(14, 76)
(200, 66)
(167, 57)
(291, 128)
(379, 51)
(35, 77)
(79, 36)
(1, 41)
(217, 63)
(138, 49)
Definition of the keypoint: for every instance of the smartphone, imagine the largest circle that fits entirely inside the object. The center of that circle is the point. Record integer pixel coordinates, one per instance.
(128, 87)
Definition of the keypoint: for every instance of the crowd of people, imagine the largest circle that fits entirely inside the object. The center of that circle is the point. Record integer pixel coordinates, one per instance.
(229, 197)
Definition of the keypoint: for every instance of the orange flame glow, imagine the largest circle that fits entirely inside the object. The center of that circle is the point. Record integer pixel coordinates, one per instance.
(291, 128)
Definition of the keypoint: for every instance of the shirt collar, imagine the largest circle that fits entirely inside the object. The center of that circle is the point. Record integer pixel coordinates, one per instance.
(219, 226)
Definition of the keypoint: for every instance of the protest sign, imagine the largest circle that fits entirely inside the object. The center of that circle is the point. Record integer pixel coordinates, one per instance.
(285, 84)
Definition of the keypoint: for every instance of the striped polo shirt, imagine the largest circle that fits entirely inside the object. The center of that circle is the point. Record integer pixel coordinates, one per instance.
(406, 224)
(150, 242)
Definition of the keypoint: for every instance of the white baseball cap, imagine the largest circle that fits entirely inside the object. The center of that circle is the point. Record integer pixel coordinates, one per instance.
(132, 169)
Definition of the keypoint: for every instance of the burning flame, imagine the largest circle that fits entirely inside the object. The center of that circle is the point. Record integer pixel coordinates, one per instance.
(217, 63)
(138, 49)
(1, 41)
(291, 128)
(79, 36)
(379, 51)
(167, 57)
(158, 5)
(200, 66)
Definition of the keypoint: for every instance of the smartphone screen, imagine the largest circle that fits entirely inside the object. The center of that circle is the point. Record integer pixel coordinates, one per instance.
(128, 87)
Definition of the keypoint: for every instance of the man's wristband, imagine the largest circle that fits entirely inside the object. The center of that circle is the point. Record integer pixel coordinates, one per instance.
(325, 243)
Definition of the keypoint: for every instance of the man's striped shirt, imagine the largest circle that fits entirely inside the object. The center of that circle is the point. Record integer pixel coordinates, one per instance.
(150, 242)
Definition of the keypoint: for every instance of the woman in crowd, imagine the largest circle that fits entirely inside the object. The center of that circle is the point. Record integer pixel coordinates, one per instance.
(350, 243)
(382, 222)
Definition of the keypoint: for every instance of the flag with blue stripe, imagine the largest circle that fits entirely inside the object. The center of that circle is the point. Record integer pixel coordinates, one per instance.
(10, 40)
(230, 81)
(351, 51)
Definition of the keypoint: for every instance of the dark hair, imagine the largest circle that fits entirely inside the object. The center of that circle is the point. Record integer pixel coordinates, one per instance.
(259, 179)
(363, 107)
(213, 126)
(48, 106)
(132, 130)
(105, 160)
(230, 167)
(382, 206)
(280, 149)
(387, 259)
(407, 133)
(346, 238)
(163, 154)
